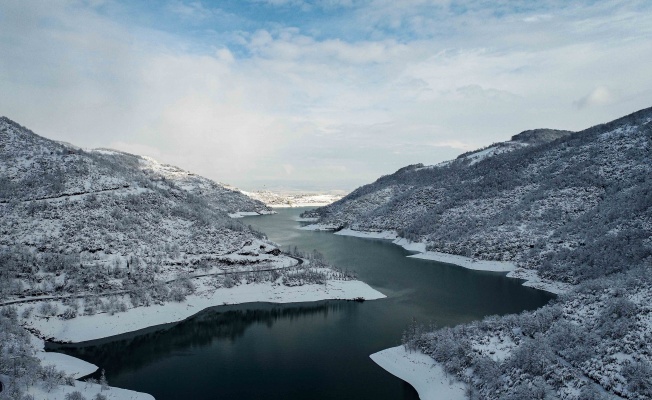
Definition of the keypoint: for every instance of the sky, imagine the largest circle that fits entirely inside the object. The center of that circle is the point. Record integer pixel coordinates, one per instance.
(317, 95)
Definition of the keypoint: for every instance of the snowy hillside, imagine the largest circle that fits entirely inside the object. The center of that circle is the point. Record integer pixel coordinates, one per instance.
(215, 194)
(80, 209)
(575, 208)
(532, 137)
(592, 344)
(562, 205)
(88, 235)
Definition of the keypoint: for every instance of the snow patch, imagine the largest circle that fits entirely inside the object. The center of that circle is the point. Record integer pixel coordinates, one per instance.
(77, 369)
(241, 214)
(368, 235)
(319, 227)
(68, 364)
(422, 372)
(533, 280)
(466, 262)
(88, 390)
(410, 245)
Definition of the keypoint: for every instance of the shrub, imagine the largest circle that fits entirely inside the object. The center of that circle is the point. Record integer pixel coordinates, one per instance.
(74, 396)
(48, 309)
(69, 313)
(639, 379)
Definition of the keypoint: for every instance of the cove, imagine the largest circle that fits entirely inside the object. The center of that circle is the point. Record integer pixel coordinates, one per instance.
(306, 350)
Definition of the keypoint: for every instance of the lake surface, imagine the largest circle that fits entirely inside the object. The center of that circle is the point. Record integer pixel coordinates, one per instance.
(306, 350)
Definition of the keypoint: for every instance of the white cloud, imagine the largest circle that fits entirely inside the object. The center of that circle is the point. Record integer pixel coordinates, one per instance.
(298, 108)
(538, 18)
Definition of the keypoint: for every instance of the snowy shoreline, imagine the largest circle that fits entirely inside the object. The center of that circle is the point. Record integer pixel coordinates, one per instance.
(91, 327)
(298, 205)
(530, 277)
(419, 370)
(422, 372)
(242, 214)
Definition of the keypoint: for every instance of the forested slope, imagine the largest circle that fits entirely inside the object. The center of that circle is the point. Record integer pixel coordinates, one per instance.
(576, 207)
(66, 211)
(572, 205)
(215, 194)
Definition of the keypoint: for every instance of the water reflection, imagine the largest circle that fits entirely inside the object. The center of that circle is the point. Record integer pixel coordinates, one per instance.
(203, 329)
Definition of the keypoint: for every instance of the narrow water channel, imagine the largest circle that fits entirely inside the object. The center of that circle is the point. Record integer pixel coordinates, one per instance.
(306, 350)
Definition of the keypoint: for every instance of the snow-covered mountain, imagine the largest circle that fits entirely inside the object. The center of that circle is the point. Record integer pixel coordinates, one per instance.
(532, 137)
(574, 207)
(563, 203)
(98, 243)
(64, 208)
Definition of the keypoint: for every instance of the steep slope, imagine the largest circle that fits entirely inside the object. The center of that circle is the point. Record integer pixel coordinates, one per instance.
(65, 212)
(532, 137)
(574, 207)
(558, 202)
(216, 195)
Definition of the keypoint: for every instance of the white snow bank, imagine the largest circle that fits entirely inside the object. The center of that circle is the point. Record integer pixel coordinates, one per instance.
(63, 362)
(368, 235)
(466, 262)
(88, 390)
(411, 246)
(68, 364)
(422, 372)
(533, 280)
(77, 369)
(90, 327)
(318, 227)
(241, 214)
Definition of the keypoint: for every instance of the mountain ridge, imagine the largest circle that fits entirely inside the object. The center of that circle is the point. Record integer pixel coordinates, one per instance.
(504, 205)
(221, 197)
(577, 209)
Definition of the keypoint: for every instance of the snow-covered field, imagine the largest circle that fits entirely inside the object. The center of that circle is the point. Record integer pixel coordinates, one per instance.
(422, 372)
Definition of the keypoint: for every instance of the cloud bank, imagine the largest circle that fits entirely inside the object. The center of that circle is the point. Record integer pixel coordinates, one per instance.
(317, 94)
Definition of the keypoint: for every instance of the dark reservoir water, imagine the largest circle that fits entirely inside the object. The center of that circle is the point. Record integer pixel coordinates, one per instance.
(306, 350)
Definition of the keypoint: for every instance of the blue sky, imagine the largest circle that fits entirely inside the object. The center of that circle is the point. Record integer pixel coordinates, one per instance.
(320, 95)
